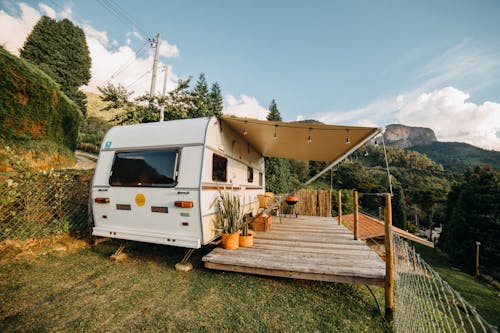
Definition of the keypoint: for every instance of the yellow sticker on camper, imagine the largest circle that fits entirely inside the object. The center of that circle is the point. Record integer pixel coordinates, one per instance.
(140, 199)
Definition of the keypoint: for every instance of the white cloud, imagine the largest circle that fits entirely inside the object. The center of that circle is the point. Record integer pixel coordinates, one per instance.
(244, 106)
(107, 56)
(299, 118)
(449, 114)
(168, 50)
(48, 11)
(13, 30)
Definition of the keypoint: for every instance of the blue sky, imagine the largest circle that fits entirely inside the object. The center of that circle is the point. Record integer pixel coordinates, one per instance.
(421, 63)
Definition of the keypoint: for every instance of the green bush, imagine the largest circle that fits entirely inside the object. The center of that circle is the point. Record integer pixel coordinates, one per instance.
(32, 105)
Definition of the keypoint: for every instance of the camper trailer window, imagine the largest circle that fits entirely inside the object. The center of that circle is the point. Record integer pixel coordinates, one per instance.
(151, 168)
(219, 168)
(250, 174)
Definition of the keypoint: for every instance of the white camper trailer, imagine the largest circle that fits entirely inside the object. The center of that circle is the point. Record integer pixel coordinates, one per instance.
(155, 182)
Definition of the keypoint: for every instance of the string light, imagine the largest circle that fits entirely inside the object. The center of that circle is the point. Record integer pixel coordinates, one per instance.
(347, 140)
(309, 139)
(245, 132)
(275, 132)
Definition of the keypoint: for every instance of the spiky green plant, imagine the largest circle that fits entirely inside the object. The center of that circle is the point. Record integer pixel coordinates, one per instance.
(230, 212)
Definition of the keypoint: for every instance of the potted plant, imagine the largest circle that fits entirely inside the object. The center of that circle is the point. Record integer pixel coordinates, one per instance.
(246, 237)
(229, 217)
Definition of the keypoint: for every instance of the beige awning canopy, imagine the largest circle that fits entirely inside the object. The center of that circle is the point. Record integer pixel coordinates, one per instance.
(301, 141)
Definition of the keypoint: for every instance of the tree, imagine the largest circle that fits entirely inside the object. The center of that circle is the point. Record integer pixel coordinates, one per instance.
(278, 178)
(118, 96)
(200, 98)
(274, 114)
(215, 99)
(475, 217)
(177, 104)
(60, 50)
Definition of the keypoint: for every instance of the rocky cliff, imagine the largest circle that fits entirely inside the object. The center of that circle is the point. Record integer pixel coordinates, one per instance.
(406, 136)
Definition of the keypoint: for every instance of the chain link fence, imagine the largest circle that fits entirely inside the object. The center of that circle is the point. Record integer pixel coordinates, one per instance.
(42, 204)
(427, 303)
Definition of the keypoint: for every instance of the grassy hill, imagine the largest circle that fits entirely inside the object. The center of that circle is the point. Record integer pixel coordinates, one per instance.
(96, 125)
(457, 156)
(37, 120)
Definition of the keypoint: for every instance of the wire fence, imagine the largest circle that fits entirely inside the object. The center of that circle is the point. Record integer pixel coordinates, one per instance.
(424, 302)
(42, 204)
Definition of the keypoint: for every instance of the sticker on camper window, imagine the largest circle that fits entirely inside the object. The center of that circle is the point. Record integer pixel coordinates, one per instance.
(140, 199)
(107, 144)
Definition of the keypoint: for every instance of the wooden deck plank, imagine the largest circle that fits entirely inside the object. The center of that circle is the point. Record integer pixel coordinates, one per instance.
(256, 256)
(318, 250)
(312, 245)
(305, 237)
(292, 266)
(297, 275)
(305, 248)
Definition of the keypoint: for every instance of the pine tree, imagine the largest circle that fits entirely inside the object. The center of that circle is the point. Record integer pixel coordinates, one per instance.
(278, 178)
(60, 49)
(215, 98)
(201, 98)
(274, 114)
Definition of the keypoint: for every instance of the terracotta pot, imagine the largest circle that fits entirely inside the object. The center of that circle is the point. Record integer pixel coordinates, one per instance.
(246, 241)
(230, 241)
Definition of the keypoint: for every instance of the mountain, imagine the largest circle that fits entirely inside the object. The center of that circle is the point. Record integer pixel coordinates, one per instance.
(405, 136)
(457, 156)
(453, 156)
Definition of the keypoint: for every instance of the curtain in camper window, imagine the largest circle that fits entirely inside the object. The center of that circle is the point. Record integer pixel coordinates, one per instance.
(144, 168)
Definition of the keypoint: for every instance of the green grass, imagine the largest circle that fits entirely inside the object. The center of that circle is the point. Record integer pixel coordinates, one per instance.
(484, 296)
(86, 291)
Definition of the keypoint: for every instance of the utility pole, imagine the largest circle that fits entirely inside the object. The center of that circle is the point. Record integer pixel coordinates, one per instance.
(156, 44)
(165, 69)
(162, 108)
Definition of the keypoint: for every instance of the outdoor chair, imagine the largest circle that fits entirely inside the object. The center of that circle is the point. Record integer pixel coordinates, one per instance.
(266, 201)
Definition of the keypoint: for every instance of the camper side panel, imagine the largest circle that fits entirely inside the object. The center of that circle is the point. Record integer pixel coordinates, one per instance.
(230, 163)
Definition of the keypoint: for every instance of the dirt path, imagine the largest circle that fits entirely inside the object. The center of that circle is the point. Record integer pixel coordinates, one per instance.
(85, 161)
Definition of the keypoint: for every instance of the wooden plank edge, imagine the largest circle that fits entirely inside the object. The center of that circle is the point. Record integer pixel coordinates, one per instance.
(296, 275)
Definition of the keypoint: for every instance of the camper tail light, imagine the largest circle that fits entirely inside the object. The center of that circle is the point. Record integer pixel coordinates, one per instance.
(184, 204)
(101, 200)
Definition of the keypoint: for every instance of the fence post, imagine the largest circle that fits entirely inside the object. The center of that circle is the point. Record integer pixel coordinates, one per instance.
(339, 201)
(356, 213)
(478, 244)
(389, 261)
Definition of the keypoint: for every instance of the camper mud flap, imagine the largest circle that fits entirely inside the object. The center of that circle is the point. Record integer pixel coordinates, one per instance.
(148, 237)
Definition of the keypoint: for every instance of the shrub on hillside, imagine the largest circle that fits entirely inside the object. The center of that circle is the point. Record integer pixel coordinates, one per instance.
(32, 105)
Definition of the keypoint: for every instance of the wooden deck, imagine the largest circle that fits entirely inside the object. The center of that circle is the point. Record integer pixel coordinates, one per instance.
(309, 248)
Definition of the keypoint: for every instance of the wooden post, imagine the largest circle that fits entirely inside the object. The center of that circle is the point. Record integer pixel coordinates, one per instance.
(478, 244)
(389, 261)
(356, 215)
(339, 201)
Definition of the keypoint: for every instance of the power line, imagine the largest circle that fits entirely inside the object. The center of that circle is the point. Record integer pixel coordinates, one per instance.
(121, 15)
(132, 60)
(139, 78)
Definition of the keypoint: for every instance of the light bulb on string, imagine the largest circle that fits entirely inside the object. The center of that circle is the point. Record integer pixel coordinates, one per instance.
(275, 132)
(245, 132)
(347, 140)
(309, 139)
